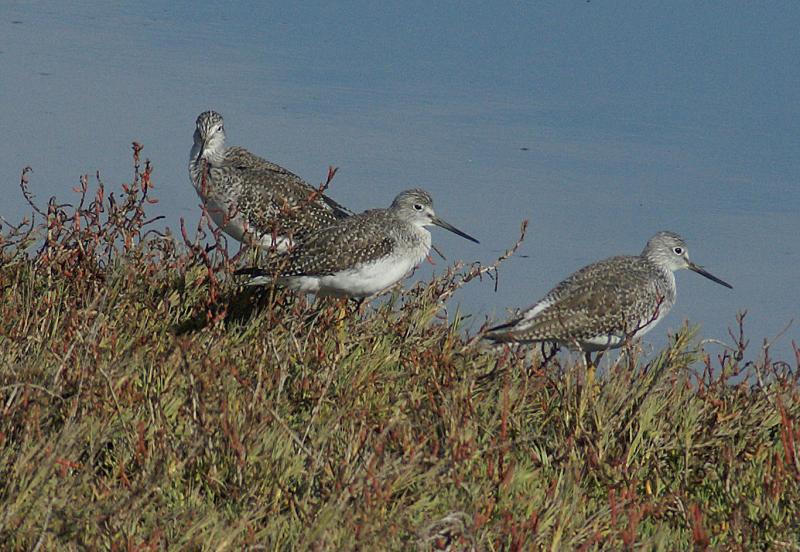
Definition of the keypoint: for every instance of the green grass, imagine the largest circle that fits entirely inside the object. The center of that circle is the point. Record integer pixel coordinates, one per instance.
(148, 403)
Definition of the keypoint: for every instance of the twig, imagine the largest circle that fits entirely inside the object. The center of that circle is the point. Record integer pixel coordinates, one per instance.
(291, 433)
(770, 343)
(40, 540)
(478, 270)
(53, 394)
(23, 183)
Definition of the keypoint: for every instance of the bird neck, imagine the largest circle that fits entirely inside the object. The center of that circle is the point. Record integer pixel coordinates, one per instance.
(202, 159)
(421, 238)
(667, 288)
(212, 151)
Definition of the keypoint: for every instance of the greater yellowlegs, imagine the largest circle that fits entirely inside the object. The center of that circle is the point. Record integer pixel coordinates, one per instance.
(603, 304)
(251, 199)
(363, 254)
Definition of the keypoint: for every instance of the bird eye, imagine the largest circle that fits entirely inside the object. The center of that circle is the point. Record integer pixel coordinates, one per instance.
(678, 250)
(418, 207)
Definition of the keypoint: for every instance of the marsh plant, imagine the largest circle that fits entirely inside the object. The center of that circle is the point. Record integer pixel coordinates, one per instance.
(148, 401)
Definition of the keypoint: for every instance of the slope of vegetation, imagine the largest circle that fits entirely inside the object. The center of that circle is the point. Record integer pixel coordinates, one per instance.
(147, 402)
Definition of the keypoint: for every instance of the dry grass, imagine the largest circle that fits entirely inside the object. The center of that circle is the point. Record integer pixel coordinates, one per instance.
(148, 403)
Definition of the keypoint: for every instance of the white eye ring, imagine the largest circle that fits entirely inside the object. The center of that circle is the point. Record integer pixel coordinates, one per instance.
(418, 207)
(677, 250)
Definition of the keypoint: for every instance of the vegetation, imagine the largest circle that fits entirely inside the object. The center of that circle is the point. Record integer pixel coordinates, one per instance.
(147, 403)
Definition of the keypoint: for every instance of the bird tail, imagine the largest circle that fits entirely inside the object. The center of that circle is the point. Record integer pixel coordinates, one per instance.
(258, 276)
(339, 210)
(501, 333)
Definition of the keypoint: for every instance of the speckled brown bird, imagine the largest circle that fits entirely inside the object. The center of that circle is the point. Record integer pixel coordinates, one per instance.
(363, 254)
(603, 304)
(251, 199)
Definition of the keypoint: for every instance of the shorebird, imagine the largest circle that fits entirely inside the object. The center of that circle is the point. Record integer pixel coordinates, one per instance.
(361, 255)
(604, 304)
(251, 199)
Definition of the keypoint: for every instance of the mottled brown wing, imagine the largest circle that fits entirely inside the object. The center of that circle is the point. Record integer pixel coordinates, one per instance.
(283, 207)
(602, 298)
(269, 174)
(357, 239)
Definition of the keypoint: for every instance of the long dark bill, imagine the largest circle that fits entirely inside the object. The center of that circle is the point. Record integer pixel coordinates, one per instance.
(447, 226)
(702, 272)
(200, 153)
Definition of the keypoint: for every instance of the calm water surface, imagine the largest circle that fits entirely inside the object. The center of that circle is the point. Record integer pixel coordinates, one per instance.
(599, 123)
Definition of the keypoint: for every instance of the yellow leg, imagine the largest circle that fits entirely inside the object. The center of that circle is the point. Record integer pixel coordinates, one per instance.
(592, 386)
(341, 312)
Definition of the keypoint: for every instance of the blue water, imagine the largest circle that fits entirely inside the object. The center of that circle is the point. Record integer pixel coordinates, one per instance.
(599, 123)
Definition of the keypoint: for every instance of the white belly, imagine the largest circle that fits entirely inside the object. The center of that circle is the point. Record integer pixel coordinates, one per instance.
(363, 281)
(614, 341)
(236, 227)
